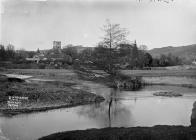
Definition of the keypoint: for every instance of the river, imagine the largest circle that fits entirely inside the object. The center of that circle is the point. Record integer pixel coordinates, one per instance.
(120, 109)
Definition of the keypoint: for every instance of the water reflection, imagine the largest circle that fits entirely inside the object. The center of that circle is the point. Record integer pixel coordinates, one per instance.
(120, 109)
(111, 113)
(132, 109)
(193, 115)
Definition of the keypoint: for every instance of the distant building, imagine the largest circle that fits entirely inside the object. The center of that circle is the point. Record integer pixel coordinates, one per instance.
(36, 58)
(57, 46)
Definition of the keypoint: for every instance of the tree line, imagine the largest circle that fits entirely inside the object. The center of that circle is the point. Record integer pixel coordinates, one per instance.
(125, 56)
(8, 53)
(112, 53)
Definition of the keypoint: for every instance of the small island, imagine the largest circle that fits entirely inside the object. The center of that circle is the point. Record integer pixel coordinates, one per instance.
(167, 94)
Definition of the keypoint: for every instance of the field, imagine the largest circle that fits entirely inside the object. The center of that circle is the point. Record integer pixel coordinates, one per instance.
(185, 78)
(56, 74)
(153, 73)
(66, 74)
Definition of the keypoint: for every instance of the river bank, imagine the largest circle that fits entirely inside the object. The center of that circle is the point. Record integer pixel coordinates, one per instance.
(181, 78)
(42, 95)
(52, 88)
(131, 133)
(116, 81)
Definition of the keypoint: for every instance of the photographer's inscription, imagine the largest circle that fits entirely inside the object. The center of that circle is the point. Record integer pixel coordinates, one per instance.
(14, 102)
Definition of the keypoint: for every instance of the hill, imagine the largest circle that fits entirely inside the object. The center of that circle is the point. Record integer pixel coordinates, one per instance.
(187, 53)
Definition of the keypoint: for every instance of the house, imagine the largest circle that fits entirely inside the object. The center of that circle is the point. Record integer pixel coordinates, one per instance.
(36, 58)
(52, 56)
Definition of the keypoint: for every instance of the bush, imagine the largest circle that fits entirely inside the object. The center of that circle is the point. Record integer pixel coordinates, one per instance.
(127, 83)
(41, 66)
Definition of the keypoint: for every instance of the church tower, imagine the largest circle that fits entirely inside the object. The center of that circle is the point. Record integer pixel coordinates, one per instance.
(57, 46)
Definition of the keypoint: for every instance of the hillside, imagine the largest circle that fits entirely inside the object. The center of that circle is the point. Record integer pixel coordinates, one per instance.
(186, 52)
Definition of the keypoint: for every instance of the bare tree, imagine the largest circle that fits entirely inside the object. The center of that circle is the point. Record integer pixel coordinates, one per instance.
(114, 35)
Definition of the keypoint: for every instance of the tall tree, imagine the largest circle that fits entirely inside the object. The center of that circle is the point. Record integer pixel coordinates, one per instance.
(71, 51)
(114, 35)
(2, 53)
(10, 51)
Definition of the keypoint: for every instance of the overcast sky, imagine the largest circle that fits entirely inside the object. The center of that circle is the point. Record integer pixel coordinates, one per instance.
(32, 24)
